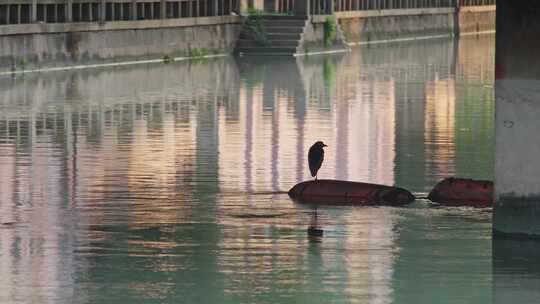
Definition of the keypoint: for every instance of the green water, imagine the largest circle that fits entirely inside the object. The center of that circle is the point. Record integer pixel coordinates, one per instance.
(162, 183)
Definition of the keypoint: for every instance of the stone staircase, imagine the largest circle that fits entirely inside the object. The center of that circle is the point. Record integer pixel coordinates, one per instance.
(284, 34)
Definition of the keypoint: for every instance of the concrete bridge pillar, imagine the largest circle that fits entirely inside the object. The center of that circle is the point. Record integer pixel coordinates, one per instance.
(517, 119)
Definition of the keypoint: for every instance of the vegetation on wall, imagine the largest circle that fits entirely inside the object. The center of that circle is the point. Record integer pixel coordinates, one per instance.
(330, 30)
(255, 25)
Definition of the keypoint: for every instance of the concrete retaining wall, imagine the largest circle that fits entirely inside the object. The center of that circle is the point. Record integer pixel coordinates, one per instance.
(25, 47)
(60, 45)
(313, 40)
(479, 19)
(364, 27)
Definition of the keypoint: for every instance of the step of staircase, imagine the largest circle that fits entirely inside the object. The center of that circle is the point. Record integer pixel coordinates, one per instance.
(273, 43)
(284, 22)
(283, 34)
(273, 36)
(271, 51)
(277, 29)
(283, 17)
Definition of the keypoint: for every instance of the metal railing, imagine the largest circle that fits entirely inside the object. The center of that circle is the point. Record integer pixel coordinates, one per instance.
(325, 7)
(280, 6)
(354, 5)
(476, 2)
(60, 11)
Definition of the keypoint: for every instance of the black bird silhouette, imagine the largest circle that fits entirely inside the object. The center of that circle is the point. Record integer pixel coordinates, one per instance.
(316, 157)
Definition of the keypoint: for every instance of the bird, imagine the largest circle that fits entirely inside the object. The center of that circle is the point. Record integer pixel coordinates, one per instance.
(316, 157)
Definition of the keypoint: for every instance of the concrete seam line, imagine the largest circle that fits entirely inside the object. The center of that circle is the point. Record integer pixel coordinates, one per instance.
(320, 52)
(103, 65)
(398, 39)
(418, 38)
(394, 13)
(478, 9)
(74, 27)
(478, 33)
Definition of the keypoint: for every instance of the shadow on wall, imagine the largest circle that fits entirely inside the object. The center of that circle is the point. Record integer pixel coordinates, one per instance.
(516, 271)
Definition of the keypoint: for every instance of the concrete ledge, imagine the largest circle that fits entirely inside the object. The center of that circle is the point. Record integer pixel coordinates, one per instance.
(392, 12)
(478, 9)
(106, 65)
(91, 48)
(517, 217)
(404, 12)
(383, 41)
(47, 28)
(514, 236)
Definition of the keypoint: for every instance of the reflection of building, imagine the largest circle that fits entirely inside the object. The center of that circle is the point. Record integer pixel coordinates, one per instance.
(456, 130)
(336, 111)
(440, 129)
(30, 252)
(86, 156)
(370, 254)
(475, 96)
(371, 153)
(275, 136)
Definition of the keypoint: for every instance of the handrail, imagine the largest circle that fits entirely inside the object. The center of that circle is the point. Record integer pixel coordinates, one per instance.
(62, 11)
(324, 7)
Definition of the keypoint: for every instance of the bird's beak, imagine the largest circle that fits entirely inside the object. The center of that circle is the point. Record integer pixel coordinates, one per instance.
(325, 145)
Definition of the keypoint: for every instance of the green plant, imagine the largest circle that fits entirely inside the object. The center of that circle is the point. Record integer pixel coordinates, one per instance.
(255, 25)
(329, 72)
(196, 53)
(255, 75)
(253, 12)
(167, 59)
(330, 30)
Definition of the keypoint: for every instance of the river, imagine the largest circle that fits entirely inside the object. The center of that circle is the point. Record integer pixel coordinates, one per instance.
(165, 183)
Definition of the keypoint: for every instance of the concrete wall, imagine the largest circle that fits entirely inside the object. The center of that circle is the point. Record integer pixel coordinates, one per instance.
(52, 45)
(313, 38)
(368, 27)
(379, 26)
(476, 19)
(517, 123)
(26, 47)
(362, 27)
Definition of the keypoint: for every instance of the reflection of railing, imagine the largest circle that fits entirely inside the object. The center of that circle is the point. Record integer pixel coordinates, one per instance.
(323, 7)
(27, 11)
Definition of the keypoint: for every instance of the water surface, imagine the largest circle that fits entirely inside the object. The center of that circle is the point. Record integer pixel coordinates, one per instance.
(163, 183)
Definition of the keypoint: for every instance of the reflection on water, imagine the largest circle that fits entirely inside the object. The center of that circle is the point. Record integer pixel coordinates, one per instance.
(162, 183)
(516, 271)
